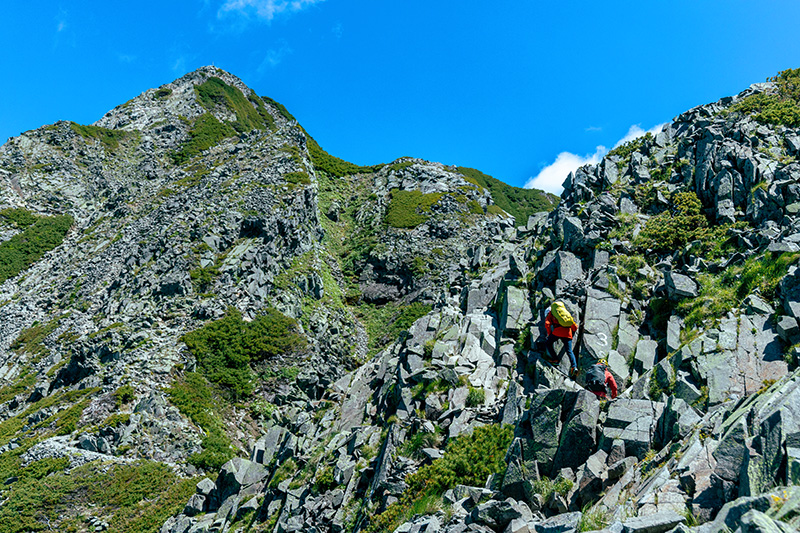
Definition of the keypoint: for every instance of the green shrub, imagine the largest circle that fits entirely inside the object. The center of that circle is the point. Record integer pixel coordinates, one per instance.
(203, 277)
(517, 202)
(413, 445)
(593, 518)
(780, 108)
(206, 132)
(22, 250)
(324, 480)
(135, 498)
(31, 340)
(18, 217)
(625, 150)
(468, 460)
(719, 293)
(194, 398)
(225, 348)
(682, 223)
(547, 487)
(281, 109)
(409, 209)
(476, 397)
(250, 113)
(124, 395)
(332, 165)
(109, 138)
(163, 92)
(286, 470)
(297, 178)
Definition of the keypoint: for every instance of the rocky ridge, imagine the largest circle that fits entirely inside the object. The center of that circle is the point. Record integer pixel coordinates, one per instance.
(457, 425)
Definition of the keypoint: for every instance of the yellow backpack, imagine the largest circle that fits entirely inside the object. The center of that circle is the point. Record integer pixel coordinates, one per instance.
(561, 314)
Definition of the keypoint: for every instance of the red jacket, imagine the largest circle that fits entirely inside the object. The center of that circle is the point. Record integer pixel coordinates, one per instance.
(611, 384)
(550, 323)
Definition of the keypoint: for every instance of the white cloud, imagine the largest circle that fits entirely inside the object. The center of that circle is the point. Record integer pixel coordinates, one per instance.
(594, 128)
(265, 9)
(62, 25)
(552, 176)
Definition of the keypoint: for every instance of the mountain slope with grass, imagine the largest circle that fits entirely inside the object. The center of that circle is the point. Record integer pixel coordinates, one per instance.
(211, 324)
(177, 273)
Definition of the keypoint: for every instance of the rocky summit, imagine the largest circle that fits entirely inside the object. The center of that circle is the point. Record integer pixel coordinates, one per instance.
(210, 324)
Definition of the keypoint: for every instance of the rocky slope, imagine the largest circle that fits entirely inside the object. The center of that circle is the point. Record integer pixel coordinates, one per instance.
(209, 229)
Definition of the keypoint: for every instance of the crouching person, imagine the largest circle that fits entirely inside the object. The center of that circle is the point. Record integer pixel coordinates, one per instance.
(599, 380)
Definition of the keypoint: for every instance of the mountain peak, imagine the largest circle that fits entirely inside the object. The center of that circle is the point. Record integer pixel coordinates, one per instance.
(177, 102)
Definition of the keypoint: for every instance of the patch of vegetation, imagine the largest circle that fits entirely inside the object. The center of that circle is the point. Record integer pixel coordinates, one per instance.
(163, 93)
(625, 150)
(384, 324)
(719, 293)
(468, 460)
(250, 113)
(31, 340)
(413, 445)
(18, 217)
(203, 277)
(109, 138)
(476, 396)
(24, 249)
(195, 398)
(679, 225)
(225, 348)
(517, 202)
(138, 497)
(24, 383)
(206, 132)
(779, 108)
(279, 106)
(409, 209)
(124, 395)
(324, 481)
(332, 165)
(284, 471)
(546, 487)
(593, 518)
(297, 178)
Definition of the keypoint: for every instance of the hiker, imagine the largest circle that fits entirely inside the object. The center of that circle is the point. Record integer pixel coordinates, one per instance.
(598, 378)
(560, 325)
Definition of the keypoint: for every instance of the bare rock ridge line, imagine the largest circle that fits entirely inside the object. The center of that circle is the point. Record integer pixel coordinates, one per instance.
(202, 309)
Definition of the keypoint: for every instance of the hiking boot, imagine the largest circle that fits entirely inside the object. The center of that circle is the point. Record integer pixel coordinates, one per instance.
(573, 372)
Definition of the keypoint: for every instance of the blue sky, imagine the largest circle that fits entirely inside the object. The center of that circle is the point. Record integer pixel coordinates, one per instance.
(508, 87)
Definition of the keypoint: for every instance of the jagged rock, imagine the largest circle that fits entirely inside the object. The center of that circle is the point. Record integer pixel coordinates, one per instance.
(680, 286)
(240, 476)
(676, 421)
(602, 318)
(633, 422)
(655, 523)
(646, 355)
(569, 267)
(578, 435)
(562, 523)
(516, 312)
(495, 514)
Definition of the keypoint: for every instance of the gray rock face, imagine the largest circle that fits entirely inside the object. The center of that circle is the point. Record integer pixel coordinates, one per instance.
(569, 266)
(680, 286)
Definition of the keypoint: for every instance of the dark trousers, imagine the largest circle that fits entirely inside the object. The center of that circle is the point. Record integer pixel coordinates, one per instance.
(551, 340)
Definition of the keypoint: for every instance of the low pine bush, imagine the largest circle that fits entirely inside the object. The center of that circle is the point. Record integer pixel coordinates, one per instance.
(469, 460)
(225, 348)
